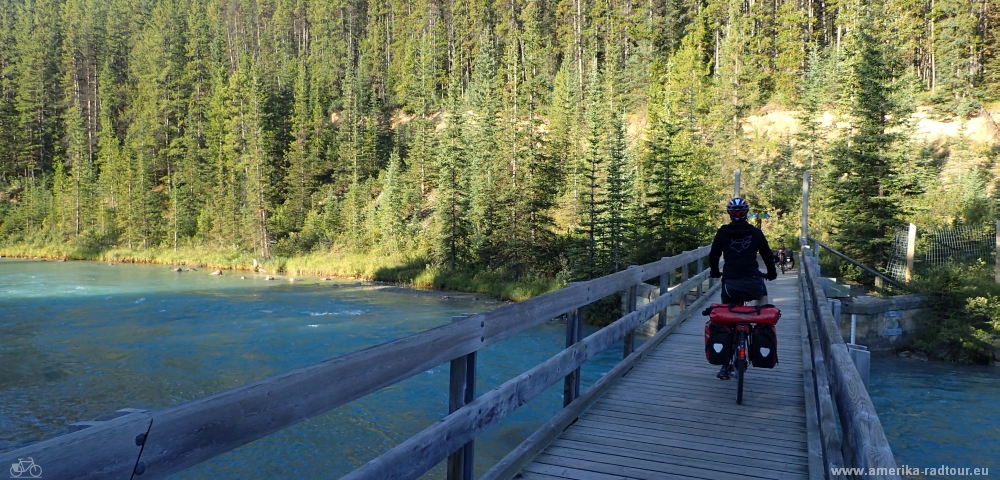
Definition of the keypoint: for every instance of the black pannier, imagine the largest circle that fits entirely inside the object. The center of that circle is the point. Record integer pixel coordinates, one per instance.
(764, 346)
(718, 343)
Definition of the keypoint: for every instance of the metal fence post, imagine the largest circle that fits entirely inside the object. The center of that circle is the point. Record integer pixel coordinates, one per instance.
(461, 391)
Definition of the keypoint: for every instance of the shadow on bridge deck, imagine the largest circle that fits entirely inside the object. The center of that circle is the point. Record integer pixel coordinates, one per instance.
(671, 418)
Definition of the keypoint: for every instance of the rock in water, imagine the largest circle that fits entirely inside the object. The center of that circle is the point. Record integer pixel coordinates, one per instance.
(217, 272)
(268, 278)
(178, 269)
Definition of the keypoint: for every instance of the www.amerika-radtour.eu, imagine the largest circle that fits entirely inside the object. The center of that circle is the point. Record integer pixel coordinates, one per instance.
(906, 470)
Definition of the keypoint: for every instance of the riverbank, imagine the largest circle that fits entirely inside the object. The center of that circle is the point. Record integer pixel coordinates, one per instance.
(389, 267)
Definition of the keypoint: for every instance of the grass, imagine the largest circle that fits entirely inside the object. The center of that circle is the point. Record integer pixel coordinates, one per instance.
(389, 266)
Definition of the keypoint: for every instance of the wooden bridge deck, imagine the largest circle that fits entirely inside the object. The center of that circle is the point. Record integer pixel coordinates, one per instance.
(671, 418)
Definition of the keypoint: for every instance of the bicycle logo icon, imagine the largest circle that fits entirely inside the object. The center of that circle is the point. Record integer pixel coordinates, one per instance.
(25, 466)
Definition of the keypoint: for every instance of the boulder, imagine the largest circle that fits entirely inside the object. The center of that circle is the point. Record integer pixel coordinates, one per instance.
(243, 278)
(292, 279)
(905, 354)
(261, 270)
(268, 278)
(217, 273)
(177, 270)
(919, 356)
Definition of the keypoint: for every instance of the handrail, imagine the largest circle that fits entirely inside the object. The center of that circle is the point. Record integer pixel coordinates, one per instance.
(184, 435)
(861, 266)
(865, 444)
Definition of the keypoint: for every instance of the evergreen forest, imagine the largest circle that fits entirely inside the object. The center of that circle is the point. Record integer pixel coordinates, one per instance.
(472, 143)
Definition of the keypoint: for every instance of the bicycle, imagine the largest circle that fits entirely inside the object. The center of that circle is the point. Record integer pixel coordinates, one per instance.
(734, 318)
(25, 466)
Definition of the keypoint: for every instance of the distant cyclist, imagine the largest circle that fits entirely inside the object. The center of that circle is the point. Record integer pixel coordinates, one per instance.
(739, 243)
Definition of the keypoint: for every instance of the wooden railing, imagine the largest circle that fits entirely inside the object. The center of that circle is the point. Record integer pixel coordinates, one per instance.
(840, 394)
(153, 445)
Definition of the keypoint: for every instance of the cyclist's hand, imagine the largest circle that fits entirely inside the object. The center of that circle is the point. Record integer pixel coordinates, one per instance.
(771, 275)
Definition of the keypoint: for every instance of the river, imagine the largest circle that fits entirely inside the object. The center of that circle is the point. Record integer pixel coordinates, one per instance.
(938, 414)
(79, 340)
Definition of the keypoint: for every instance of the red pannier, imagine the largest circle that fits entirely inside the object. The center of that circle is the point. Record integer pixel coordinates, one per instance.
(728, 314)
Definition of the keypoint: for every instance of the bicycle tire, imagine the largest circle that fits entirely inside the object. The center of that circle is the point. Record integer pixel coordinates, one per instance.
(739, 387)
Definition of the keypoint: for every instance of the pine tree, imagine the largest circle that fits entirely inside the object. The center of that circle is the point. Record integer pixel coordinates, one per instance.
(615, 226)
(451, 208)
(595, 156)
(866, 191)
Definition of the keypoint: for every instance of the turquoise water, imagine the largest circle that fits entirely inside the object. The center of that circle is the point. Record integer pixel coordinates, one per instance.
(79, 340)
(938, 414)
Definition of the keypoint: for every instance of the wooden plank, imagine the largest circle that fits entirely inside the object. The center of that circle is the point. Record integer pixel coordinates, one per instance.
(523, 454)
(670, 418)
(716, 452)
(568, 472)
(715, 459)
(622, 472)
(671, 464)
(190, 433)
(770, 439)
(106, 451)
(698, 441)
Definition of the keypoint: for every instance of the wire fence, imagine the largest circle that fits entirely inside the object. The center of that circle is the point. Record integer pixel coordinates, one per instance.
(896, 269)
(965, 244)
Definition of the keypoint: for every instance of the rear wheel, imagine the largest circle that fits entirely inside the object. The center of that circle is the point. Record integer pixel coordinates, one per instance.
(741, 368)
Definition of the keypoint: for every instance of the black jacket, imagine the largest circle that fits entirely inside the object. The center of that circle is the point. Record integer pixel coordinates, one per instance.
(739, 242)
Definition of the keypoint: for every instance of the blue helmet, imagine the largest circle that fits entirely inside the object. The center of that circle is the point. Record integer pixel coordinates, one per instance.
(738, 209)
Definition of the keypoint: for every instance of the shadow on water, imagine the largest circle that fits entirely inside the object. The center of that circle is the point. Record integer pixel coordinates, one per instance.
(79, 340)
(938, 414)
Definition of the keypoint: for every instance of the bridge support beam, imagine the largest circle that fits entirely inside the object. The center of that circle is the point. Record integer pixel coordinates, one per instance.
(574, 333)
(630, 336)
(461, 391)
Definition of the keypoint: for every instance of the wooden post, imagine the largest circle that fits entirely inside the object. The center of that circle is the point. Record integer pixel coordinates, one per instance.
(998, 251)
(461, 391)
(805, 205)
(911, 246)
(816, 250)
(571, 385)
(736, 184)
(701, 268)
(664, 288)
(629, 346)
(684, 277)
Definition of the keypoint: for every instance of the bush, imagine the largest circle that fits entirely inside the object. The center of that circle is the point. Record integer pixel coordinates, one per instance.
(965, 325)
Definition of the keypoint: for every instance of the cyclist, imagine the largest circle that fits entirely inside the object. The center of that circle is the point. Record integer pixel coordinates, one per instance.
(739, 243)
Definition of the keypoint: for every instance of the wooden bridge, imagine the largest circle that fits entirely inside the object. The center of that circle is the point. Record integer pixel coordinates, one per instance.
(659, 414)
